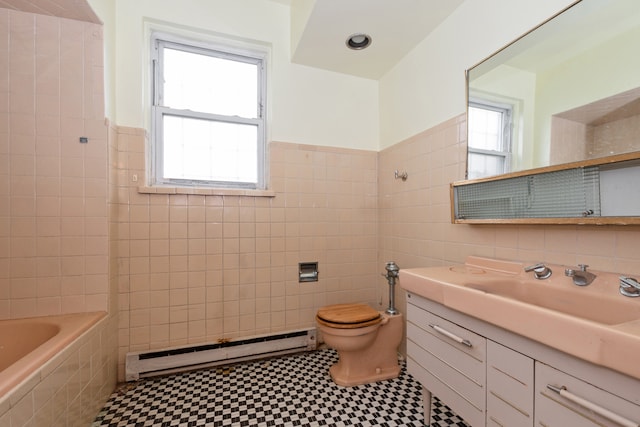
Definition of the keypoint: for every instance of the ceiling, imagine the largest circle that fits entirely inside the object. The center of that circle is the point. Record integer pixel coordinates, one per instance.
(585, 26)
(395, 26)
(616, 107)
(70, 9)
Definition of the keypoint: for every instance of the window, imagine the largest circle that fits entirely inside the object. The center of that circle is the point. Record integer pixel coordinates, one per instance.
(489, 145)
(208, 115)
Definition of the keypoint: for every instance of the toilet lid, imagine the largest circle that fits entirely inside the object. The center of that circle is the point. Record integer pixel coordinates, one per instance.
(348, 315)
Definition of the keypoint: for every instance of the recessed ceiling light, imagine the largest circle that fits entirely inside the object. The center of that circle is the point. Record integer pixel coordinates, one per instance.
(358, 41)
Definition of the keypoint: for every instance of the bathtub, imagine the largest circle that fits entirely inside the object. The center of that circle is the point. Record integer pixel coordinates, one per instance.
(27, 344)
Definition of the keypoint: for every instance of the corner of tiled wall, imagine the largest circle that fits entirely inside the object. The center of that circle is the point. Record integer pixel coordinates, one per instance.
(53, 191)
(54, 228)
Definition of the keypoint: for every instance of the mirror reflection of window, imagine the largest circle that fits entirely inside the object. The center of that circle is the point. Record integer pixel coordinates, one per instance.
(489, 143)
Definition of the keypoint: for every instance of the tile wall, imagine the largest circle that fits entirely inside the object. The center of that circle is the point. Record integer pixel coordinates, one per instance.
(620, 136)
(53, 189)
(574, 141)
(580, 141)
(196, 268)
(54, 237)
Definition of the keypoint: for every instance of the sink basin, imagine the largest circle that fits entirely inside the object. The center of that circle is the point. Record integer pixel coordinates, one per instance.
(589, 306)
(591, 322)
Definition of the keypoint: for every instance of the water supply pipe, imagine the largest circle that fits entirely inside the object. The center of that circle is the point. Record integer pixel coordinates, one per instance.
(391, 275)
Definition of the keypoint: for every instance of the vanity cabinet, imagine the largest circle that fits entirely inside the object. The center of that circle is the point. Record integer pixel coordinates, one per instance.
(492, 377)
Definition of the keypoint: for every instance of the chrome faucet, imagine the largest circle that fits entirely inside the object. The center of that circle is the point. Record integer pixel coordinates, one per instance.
(581, 277)
(540, 271)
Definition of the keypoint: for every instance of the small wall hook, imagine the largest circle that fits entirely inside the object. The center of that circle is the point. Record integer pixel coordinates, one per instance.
(402, 175)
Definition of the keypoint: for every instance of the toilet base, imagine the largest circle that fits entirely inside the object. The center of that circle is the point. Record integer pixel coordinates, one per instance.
(338, 376)
(376, 362)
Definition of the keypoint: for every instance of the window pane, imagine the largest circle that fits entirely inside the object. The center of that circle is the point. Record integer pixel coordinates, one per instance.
(211, 151)
(209, 84)
(485, 129)
(480, 165)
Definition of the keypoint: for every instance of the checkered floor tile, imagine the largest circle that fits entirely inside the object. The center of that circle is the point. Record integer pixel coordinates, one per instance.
(289, 391)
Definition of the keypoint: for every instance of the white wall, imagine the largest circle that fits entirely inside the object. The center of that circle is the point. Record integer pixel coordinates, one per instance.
(312, 106)
(603, 71)
(106, 10)
(306, 105)
(428, 86)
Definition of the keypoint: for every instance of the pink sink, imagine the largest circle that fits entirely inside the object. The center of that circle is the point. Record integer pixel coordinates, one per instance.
(593, 322)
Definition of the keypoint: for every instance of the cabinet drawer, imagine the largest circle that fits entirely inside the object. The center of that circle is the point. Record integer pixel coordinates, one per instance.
(426, 321)
(447, 357)
(510, 382)
(554, 410)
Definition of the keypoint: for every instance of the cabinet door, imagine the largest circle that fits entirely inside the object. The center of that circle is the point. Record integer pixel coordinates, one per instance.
(509, 387)
(449, 361)
(597, 408)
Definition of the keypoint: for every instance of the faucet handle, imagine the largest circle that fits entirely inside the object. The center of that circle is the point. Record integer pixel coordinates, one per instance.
(629, 287)
(583, 267)
(540, 271)
(534, 267)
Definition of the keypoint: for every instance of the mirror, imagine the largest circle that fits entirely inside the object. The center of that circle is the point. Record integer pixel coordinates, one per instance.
(566, 92)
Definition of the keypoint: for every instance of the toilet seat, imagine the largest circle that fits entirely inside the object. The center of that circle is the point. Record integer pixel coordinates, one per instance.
(348, 316)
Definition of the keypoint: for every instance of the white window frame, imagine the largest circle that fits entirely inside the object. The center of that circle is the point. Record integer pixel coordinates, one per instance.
(507, 131)
(158, 111)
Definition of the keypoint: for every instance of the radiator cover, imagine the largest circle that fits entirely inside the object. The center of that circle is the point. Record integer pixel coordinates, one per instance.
(177, 359)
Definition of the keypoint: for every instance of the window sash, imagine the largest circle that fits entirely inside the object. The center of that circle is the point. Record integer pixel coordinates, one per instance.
(161, 112)
(504, 138)
(478, 161)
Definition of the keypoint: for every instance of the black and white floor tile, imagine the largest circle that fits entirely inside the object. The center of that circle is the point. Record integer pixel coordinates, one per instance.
(288, 391)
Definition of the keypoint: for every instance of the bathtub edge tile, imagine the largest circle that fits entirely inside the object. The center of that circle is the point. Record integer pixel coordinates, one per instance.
(24, 388)
(5, 406)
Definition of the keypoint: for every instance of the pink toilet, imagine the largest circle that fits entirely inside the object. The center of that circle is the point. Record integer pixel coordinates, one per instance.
(366, 341)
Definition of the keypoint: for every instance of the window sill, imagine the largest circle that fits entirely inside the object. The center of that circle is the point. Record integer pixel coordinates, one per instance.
(204, 191)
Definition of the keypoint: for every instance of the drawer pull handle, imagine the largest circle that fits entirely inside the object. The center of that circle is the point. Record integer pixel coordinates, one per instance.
(450, 335)
(611, 416)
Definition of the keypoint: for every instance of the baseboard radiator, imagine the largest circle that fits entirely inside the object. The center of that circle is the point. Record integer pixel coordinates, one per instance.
(177, 359)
